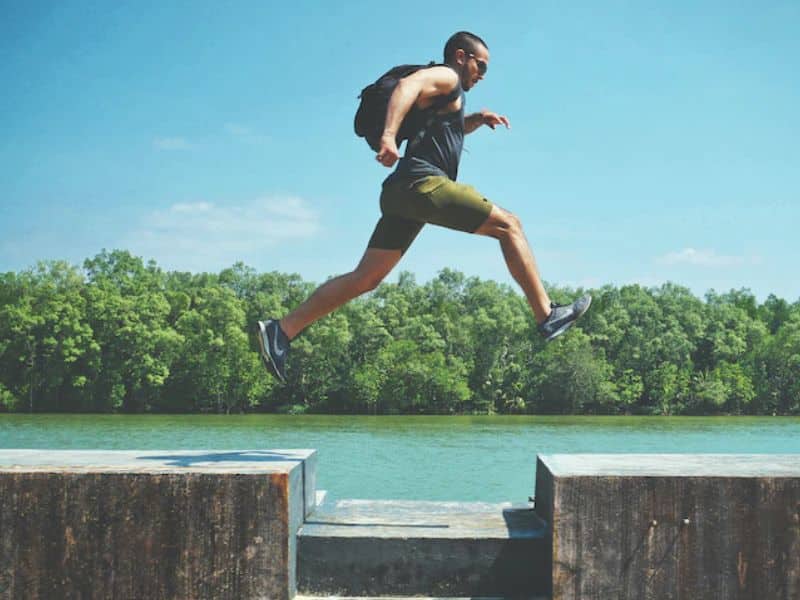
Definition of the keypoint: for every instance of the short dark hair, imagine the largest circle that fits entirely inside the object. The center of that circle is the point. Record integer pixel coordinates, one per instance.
(465, 40)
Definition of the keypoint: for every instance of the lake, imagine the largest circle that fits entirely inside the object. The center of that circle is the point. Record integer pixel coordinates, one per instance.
(480, 458)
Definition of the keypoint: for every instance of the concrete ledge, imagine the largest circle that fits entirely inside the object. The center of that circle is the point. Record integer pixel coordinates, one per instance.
(672, 526)
(152, 524)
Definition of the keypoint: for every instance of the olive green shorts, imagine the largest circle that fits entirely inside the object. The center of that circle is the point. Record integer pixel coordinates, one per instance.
(407, 206)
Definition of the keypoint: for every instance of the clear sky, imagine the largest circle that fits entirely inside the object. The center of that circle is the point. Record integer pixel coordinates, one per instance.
(651, 141)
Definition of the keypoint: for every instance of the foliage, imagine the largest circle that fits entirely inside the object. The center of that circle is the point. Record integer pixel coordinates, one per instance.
(119, 335)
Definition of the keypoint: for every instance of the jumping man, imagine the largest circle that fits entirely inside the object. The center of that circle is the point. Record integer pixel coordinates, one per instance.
(423, 189)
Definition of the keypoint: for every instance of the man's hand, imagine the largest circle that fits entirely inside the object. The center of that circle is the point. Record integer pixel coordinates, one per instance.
(388, 153)
(493, 119)
(485, 117)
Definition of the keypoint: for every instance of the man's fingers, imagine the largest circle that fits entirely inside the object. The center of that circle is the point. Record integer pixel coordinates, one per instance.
(386, 159)
(493, 120)
(500, 119)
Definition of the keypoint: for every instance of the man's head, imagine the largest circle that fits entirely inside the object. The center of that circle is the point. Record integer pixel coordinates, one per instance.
(468, 55)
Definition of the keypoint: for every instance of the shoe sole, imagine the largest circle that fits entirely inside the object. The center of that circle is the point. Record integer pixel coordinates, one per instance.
(266, 357)
(566, 326)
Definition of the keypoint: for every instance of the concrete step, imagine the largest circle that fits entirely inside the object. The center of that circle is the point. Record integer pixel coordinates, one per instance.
(414, 598)
(380, 548)
(418, 598)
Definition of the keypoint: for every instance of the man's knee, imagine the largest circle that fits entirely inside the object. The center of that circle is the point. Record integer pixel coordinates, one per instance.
(508, 225)
(501, 225)
(373, 268)
(514, 224)
(366, 281)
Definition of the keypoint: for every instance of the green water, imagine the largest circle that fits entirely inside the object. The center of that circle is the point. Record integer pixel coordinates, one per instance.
(490, 459)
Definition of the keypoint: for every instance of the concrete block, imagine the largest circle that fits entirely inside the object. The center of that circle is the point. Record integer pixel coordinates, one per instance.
(152, 524)
(672, 526)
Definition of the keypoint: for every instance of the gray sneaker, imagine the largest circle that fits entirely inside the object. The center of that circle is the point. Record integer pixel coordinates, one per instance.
(274, 347)
(562, 317)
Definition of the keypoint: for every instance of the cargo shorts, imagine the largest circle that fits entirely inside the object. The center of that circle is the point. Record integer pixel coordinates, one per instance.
(407, 206)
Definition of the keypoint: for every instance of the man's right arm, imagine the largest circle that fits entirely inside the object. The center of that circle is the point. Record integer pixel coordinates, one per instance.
(419, 88)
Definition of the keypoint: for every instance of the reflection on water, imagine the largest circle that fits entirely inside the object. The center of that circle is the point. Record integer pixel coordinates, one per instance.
(480, 458)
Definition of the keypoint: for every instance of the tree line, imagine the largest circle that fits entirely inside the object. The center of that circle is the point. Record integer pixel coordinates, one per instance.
(122, 335)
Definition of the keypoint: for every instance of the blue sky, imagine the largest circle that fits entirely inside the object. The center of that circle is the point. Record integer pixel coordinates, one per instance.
(650, 141)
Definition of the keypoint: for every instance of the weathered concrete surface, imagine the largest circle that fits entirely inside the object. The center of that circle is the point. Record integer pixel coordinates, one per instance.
(387, 547)
(672, 526)
(151, 524)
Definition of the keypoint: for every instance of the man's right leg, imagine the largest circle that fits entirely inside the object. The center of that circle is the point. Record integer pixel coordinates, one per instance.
(373, 268)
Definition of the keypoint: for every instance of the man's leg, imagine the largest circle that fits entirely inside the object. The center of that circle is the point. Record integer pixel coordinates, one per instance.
(444, 202)
(374, 266)
(506, 228)
(390, 239)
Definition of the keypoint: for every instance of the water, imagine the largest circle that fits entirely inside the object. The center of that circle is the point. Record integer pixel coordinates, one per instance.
(489, 459)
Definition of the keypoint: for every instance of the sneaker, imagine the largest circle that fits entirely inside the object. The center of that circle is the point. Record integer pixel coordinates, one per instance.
(274, 347)
(562, 317)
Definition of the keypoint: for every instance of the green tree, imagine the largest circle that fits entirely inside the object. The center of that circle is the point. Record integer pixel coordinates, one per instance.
(47, 350)
(778, 370)
(571, 378)
(216, 370)
(128, 311)
(416, 381)
(774, 313)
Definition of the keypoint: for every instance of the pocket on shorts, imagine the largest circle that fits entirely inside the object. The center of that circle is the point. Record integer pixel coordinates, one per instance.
(429, 184)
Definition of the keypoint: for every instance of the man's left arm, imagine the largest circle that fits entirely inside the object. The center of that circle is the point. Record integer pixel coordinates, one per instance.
(485, 117)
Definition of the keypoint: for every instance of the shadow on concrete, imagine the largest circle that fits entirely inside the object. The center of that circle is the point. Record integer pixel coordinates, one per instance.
(519, 569)
(187, 460)
(524, 523)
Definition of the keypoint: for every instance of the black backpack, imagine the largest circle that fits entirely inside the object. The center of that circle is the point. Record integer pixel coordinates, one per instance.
(370, 117)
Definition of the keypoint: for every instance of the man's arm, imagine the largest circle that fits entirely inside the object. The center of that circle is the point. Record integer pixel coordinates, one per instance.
(419, 88)
(475, 120)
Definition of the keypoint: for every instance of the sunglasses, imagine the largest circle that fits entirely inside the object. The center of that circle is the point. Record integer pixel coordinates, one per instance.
(482, 65)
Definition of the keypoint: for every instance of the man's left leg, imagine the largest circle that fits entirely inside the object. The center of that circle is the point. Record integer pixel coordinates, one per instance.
(507, 229)
(553, 320)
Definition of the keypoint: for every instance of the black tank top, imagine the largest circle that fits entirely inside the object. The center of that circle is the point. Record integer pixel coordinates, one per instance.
(439, 151)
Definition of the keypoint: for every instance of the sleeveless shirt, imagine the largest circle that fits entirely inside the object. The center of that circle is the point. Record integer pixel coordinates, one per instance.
(439, 151)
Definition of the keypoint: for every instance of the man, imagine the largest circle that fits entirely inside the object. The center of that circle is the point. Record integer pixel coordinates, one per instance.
(423, 189)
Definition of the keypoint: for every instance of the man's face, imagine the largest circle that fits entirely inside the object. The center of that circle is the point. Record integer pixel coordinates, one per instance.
(473, 66)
